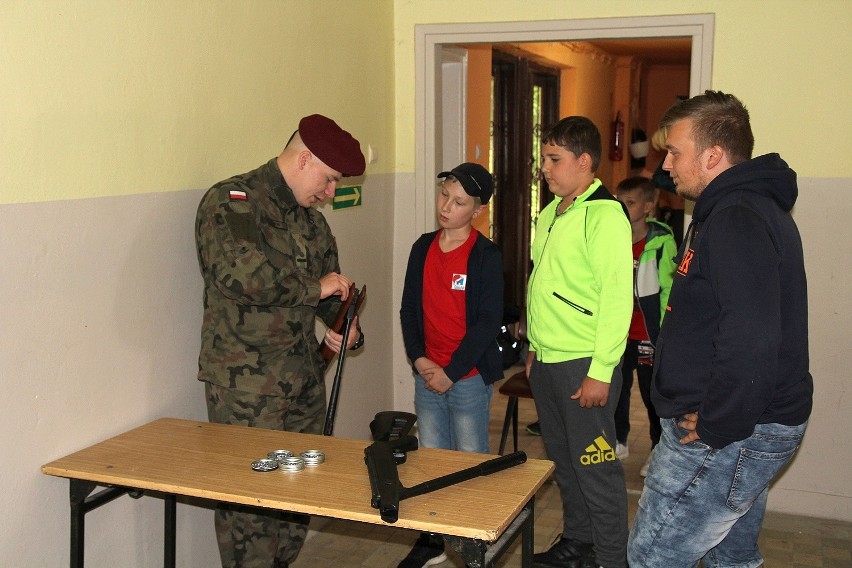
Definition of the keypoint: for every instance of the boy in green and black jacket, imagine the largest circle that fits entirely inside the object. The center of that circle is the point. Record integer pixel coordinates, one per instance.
(654, 250)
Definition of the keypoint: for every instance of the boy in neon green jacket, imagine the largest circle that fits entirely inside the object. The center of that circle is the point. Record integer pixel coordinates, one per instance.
(579, 304)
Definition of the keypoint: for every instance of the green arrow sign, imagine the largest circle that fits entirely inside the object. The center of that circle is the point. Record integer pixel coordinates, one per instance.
(347, 197)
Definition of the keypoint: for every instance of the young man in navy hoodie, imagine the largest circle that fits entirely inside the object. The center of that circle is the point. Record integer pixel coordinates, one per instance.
(731, 380)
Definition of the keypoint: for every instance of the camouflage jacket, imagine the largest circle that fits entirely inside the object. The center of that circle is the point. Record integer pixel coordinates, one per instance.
(261, 255)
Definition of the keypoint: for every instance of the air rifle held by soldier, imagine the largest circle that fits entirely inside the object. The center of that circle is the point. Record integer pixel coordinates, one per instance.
(339, 320)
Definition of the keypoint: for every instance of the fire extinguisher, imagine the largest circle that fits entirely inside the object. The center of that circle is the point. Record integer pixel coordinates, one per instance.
(616, 141)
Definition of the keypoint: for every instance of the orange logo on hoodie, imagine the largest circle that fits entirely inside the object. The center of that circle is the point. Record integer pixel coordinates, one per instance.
(683, 267)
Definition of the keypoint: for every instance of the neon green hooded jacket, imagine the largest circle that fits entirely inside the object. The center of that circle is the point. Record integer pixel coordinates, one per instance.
(580, 293)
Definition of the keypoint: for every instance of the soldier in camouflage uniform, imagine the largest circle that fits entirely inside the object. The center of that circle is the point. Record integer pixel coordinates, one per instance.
(270, 267)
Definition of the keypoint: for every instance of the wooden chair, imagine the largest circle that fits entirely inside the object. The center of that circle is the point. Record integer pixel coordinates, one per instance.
(517, 386)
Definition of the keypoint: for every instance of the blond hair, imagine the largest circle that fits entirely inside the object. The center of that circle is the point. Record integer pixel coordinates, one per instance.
(658, 140)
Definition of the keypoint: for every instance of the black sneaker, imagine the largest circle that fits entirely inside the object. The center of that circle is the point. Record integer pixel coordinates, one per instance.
(427, 551)
(534, 429)
(566, 553)
(590, 562)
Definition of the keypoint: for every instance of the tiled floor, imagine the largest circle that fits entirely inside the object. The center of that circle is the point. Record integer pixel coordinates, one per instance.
(786, 541)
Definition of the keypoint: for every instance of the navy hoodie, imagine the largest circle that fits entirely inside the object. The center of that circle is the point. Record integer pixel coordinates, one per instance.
(734, 340)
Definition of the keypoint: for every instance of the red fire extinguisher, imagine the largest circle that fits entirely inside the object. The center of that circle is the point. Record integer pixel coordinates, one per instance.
(616, 141)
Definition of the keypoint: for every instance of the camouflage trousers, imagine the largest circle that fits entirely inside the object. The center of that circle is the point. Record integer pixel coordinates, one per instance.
(253, 537)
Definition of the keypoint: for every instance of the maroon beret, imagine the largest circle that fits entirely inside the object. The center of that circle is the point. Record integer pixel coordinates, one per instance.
(331, 144)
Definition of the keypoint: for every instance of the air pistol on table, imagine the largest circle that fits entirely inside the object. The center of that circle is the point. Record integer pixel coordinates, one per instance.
(392, 440)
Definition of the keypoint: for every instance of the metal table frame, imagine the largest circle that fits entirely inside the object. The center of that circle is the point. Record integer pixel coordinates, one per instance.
(476, 553)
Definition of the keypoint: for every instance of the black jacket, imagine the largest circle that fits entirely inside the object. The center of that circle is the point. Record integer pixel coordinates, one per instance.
(734, 341)
(483, 307)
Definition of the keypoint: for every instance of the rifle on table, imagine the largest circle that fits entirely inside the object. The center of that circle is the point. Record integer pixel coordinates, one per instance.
(390, 432)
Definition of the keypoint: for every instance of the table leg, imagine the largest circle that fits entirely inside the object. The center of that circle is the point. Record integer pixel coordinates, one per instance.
(528, 535)
(478, 554)
(170, 528)
(78, 493)
(82, 503)
(473, 552)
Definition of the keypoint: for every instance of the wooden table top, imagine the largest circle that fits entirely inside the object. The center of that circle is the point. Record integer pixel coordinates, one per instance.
(213, 461)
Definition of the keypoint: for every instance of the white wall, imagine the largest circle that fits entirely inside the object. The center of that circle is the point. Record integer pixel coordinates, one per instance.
(100, 333)
(817, 482)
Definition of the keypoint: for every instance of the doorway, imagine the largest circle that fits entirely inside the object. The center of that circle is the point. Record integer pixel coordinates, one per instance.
(525, 99)
(432, 38)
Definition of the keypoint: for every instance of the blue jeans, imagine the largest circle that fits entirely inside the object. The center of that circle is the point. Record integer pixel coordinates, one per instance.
(455, 420)
(704, 503)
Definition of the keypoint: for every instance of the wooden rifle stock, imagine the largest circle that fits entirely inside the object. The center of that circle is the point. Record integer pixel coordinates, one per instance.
(340, 318)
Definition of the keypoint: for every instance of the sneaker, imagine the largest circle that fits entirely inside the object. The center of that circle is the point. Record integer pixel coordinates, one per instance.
(566, 553)
(643, 471)
(427, 551)
(534, 429)
(622, 451)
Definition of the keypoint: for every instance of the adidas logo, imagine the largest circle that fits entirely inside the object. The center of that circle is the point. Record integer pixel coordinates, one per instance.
(598, 452)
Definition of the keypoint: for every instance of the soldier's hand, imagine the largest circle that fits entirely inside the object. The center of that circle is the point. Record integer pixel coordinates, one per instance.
(592, 393)
(333, 284)
(335, 340)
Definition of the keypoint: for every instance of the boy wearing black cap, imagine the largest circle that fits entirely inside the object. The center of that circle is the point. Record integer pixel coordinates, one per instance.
(270, 267)
(452, 311)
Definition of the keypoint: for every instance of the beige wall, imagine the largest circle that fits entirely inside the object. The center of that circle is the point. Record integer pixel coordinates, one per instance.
(775, 59)
(147, 97)
(114, 121)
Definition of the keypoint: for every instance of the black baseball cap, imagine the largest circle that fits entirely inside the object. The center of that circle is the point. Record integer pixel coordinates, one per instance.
(475, 180)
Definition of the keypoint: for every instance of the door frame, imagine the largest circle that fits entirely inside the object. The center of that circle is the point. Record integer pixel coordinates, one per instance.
(431, 38)
(453, 107)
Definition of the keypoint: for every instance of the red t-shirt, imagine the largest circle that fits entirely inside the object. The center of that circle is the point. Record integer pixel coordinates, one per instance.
(638, 331)
(444, 314)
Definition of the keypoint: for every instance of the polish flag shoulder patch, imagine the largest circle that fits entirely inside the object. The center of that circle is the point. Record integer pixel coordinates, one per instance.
(237, 195)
